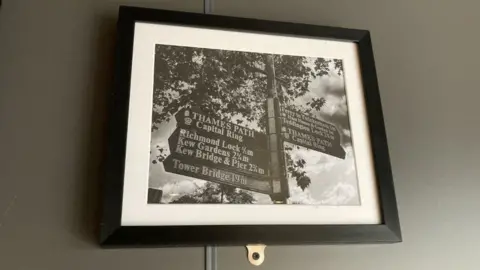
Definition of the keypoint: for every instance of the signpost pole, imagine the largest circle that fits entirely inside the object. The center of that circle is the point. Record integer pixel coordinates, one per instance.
(275, 141)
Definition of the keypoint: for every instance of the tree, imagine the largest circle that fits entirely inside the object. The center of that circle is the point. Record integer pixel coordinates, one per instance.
(214, 193)
(232, 83)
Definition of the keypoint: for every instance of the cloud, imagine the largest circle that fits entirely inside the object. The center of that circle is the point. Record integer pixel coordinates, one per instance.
(175, 190)
(334, 85)
(328, 175)
(335, 110)
(340, 194)
(297, 196)
(261, 198)
(181, 187)
(165, 129)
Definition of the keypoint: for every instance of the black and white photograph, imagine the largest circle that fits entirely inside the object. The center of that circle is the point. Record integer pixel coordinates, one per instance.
(238, 127)
(234, 131)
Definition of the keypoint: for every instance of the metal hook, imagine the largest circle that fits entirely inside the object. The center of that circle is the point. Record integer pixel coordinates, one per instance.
(256, 254)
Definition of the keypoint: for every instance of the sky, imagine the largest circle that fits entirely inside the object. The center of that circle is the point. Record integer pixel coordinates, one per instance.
(333, 180)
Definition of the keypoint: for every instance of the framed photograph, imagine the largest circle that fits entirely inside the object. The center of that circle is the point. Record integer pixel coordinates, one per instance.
(231, 131)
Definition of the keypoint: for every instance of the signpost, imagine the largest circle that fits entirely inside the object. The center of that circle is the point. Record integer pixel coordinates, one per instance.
(219, 151)
(189, 167)
(307, 131)
(194, 119)
(209, 148)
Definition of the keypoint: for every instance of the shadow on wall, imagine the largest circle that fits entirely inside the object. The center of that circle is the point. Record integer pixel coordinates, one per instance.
(88, 203)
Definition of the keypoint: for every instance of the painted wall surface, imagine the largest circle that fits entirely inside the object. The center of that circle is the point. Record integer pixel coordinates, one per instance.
(56, 61)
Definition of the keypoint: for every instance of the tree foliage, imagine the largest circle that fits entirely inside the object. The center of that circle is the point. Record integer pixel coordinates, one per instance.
(231, 83)
(295, 169)
(338, 66)
(216, 193)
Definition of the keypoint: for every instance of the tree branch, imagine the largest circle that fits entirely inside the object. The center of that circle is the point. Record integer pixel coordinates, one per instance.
(261, 71)
(256, 69)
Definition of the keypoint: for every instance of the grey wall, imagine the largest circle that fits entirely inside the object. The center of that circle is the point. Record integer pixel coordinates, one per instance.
(55, 68)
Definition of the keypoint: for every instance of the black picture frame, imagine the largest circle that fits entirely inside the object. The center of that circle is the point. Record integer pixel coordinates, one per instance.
(113, 234)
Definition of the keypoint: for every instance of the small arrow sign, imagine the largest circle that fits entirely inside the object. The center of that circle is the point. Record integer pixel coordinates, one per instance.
(189, 167)
(307, 131)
